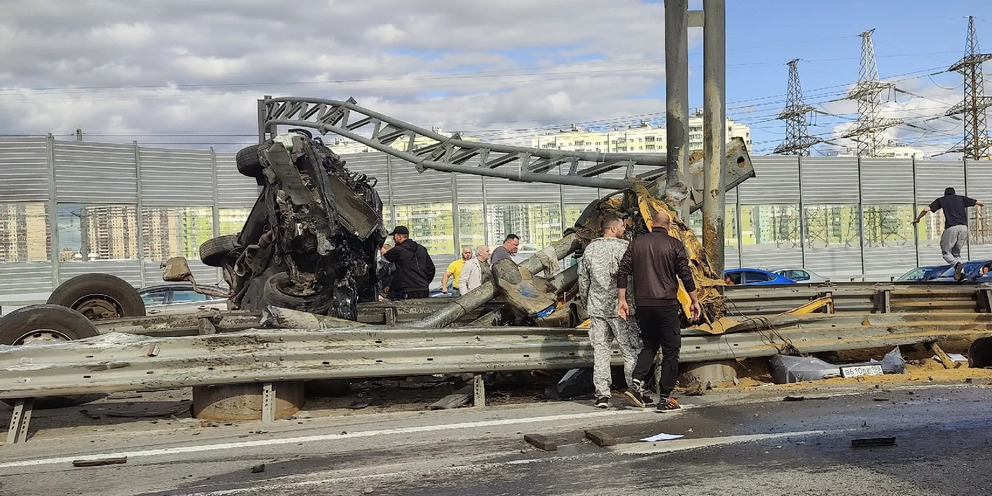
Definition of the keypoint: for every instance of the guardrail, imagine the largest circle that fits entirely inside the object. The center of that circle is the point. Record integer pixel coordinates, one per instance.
(861, 297)
(117, 362)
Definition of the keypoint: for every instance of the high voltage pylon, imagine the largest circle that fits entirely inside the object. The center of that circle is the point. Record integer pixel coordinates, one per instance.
(797, 139)
(867, 133)
(976, 138)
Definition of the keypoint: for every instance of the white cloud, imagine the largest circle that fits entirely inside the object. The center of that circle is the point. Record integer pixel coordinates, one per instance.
(179, 69)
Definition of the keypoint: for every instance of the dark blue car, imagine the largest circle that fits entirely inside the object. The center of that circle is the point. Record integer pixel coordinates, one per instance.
(752, 277)
(972, 271)
(927, 273)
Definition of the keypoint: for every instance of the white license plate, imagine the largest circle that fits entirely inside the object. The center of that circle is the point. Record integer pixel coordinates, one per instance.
(860, 370)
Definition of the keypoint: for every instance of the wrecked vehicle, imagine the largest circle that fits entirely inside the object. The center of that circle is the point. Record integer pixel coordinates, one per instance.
(310, 242)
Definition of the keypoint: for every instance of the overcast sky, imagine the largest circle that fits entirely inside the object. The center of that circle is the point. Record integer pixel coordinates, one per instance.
(177, 72)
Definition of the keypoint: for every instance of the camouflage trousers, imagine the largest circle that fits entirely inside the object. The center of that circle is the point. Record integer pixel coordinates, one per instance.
(602, 333)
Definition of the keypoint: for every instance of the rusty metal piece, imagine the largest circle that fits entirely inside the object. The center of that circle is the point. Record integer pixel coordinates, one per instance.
(177, 269)
(821, 302)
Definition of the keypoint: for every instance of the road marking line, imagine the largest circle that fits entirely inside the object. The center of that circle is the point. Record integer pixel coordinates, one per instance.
(322, 437)
(646, 448)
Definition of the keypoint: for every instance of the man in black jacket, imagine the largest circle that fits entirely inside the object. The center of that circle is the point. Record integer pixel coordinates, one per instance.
(414, 267)
(657, 261)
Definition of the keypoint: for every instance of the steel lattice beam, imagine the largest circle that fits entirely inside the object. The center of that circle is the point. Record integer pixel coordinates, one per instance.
(452, 154)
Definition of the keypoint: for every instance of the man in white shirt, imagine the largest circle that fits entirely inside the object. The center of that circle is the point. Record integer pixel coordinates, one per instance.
(471, 276)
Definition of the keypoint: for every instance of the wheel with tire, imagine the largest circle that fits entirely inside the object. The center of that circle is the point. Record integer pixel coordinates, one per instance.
(46, 323)
(214, 251)
(249, 163)
(278, 292)
(99, 296)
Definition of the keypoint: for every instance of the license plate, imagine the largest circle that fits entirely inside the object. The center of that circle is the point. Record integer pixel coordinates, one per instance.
(860, 370)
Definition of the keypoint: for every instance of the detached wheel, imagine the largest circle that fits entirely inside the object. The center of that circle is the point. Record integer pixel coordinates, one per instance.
(41, 324)
(249, 163)
(99, 296)
(278, 291)
(214, 251)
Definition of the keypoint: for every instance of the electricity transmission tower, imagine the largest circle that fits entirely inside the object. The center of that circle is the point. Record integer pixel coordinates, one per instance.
(797, 139)
(976, 138)
(867, 133)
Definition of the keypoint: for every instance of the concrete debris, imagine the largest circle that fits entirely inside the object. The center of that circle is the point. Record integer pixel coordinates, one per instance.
(541, 442)
(600, 438)
(257, 469)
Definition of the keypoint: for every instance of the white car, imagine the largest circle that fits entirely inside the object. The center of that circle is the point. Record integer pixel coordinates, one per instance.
(800, 275)
(175, 298)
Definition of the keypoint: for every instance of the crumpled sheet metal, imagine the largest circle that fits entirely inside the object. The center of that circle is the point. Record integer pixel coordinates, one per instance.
(788, 369)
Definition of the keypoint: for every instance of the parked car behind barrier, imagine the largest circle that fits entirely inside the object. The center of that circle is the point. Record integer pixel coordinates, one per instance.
(179, 297)
(972, 271)
(752, 277)
(926, 273)
(799, 274)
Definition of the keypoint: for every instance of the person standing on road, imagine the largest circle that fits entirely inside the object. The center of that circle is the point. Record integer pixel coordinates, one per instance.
(955, 234)
(414, 267)
(454, 272)
(657, 261)
(598, 292)
(472, 273)
(509, 248)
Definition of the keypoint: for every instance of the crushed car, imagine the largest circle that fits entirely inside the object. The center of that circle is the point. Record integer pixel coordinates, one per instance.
(311, 239)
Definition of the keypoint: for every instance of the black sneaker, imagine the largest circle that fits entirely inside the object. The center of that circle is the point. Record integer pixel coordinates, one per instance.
(958, 271)
(669, 405)
(648, 400)
(636, 397)
(603, 402)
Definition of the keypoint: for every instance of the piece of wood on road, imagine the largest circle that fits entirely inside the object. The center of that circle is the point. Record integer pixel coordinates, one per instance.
(872, 442)
(541, 442)
(601, 438)
(97, 462)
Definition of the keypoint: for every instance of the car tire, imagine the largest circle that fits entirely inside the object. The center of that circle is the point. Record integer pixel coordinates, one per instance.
(214, 251)
(47, 323)
(275, 293)
(249, 163)
(99, 296)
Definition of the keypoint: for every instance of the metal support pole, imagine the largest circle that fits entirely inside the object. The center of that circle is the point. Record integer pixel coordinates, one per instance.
(268, 403)
(53, 210)
(140, 212)
(478, 390)
(714, 130)
(677, 105)
(861, 218)
(967, 245)
(802, 211)
(916, 228)
(20, 419)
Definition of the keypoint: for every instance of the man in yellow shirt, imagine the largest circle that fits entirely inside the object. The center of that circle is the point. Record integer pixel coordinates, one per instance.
(454, 271)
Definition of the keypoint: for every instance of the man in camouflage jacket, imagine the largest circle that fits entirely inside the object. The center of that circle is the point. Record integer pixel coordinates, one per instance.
(598, 291)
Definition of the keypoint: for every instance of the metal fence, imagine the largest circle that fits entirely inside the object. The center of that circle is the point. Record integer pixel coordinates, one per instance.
(70, 207)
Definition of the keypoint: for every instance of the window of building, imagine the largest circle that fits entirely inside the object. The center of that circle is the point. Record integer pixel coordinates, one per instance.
(97, 232)
(25, 233)
(537, 224)
(175, 231)
(430, 224)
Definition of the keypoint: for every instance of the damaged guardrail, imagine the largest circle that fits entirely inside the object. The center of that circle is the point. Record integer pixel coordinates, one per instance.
(119, 362)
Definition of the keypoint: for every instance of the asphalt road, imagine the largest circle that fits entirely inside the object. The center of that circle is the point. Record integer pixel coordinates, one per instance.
(734, 443)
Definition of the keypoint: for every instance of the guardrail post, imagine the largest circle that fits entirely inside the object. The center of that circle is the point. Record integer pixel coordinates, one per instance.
(479, 389)
(19, 421)
(985, 300)
(268, 403)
